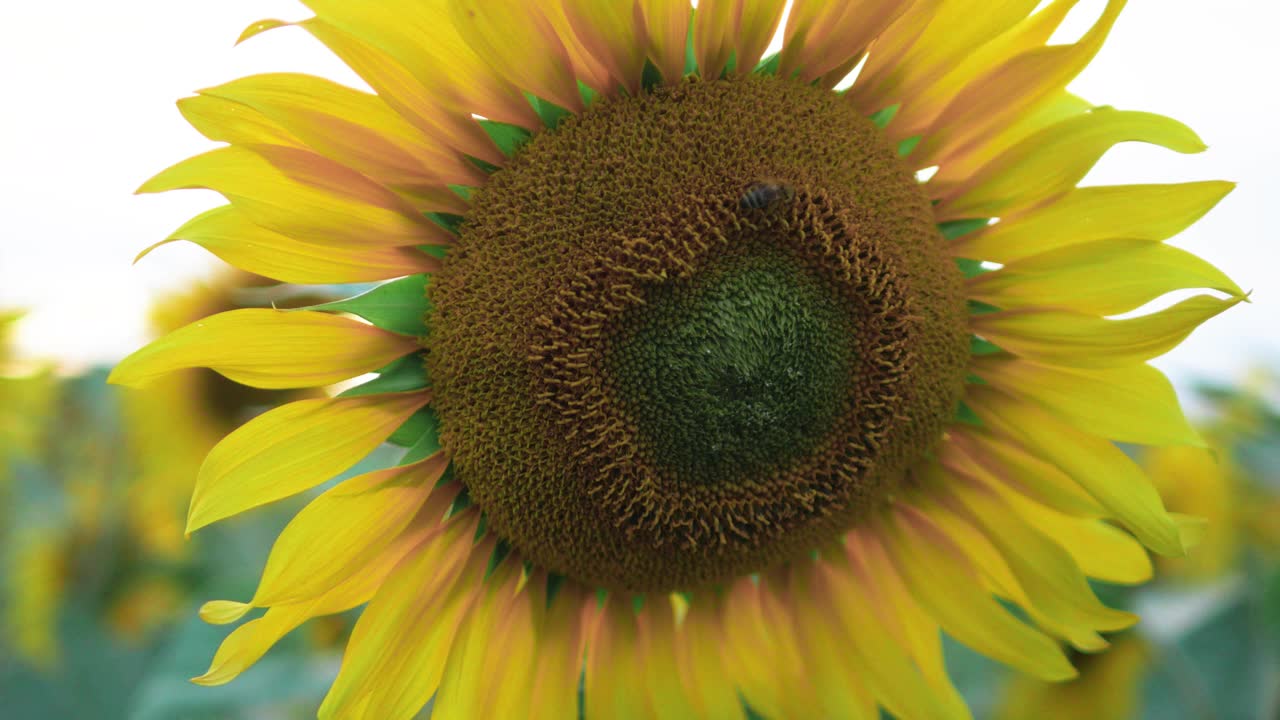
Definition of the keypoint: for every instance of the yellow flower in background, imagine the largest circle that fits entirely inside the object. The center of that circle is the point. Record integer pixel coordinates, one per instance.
(1107, 689)
(710, 394)
(1204, 483)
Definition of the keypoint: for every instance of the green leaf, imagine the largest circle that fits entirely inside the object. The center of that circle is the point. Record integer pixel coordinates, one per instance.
(550, 113)
(448, 221)
(970, 268)
(906, 147)
(420, 434)
(403, 375)
(399, 306)
(651, 77)
(966, 415)
(977, 307)
(509, 138)
(953, 229)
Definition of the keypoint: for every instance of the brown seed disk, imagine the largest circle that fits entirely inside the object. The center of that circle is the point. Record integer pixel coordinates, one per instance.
(568, 256)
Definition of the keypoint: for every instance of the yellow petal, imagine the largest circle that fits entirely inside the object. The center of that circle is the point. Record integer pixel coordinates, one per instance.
(656, 623)
(995, 101)
(613, 684)
(398, 649)
(268, 349)
(822, 36)
(424, 43)
(916, 630)
(978, 452)
(1098, 466)
(292, 448)
(223, 612)
(857, 626)
(1055, 585)
(928, 41)
(942, 580)
(248, 643)
(713, 24)
(338, 532)
(609, 31)
(354, 128)
(401, 91)
(1101, 550)
(306, 196)
(233, 123)
(482, 647)
(762, 651)
(539, 65)
(1105, 278)
(700, 661)
(1086, 215)
(555, 677)
(1052, 161)
(667, 29)
(1134, 404)
(1070, 339)
(227, 233)
(933, 91)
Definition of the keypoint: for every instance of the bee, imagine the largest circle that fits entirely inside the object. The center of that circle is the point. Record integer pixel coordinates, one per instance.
(765, 194)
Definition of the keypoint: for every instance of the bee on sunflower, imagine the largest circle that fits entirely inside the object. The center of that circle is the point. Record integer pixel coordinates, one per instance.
(671, 451)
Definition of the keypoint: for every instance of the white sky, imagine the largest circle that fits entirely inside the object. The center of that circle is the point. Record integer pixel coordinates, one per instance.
(88, 114)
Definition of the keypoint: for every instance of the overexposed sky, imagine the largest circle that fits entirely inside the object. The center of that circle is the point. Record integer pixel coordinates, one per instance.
(88, 114)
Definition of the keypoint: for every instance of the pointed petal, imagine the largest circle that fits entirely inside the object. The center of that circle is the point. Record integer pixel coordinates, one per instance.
(229, 234)
(995, 101)
(1138, 212)
(423, 42)
(762, 651)
(822, 36)
(941, 579)
(306, 196)
(337, 533)
(268, 349)
(354, 128)
(610, 33)
(483, 642)
(399, 647)
(539, 65)
(561, 650)
(701, 663)
(613, 685)
(223, 612)
(667, 29)
(1051, 162)
(1097, 465)
(233, 123)
(1134, 404)
(1055, 585)
(1071, 339)
(978, 452)
(929, 40)
(1106, 277)
(292, 448)
(713, 24)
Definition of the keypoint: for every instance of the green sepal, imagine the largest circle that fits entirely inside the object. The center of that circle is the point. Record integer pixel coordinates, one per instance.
(908, 146)
(448, 221)
(500, 552)
(435, 251)
(398, 306)
(970, 268)
(690, 59)
(403, 375)
(460, 503)
(966, 415)
(482, 527)
(587, 93)
(554, 584)
(770, 65)
(955, 229)
(882, 118)
(509, 138)
(651, 77)
(977, 307)
(980, 347)
(418, 432)
(550, 113)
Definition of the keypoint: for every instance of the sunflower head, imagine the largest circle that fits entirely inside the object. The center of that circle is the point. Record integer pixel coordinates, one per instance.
(710, 394)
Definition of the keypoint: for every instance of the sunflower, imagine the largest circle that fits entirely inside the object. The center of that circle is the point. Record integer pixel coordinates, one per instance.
(727, 381)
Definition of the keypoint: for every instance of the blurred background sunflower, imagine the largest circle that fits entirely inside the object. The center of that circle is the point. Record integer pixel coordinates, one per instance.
(817, 501)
